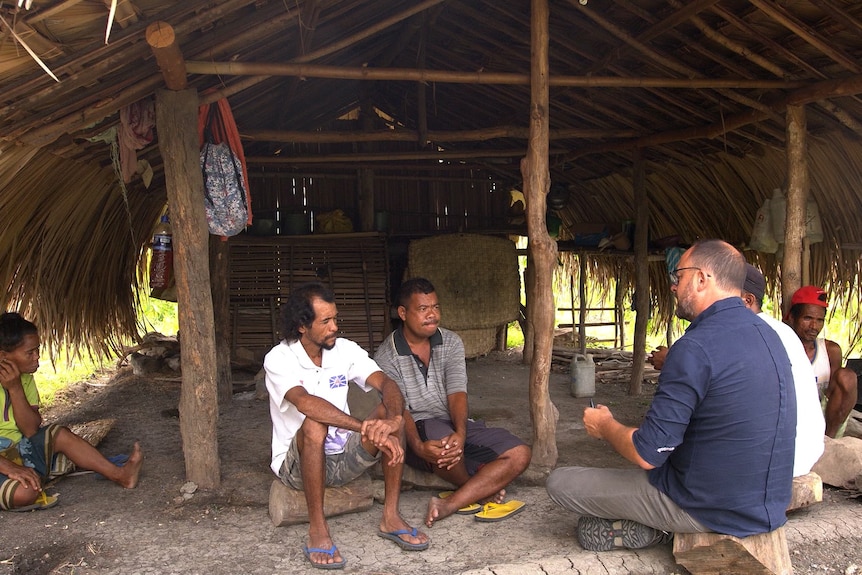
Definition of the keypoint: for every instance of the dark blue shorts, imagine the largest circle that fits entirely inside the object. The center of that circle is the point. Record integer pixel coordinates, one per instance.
(484, 444)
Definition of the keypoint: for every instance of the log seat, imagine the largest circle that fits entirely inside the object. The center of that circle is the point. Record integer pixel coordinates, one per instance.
(287, 505)
(715, 553)
(807, 490)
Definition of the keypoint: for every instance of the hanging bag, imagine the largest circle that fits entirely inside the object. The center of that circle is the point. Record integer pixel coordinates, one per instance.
(226, 197)
(224, 190)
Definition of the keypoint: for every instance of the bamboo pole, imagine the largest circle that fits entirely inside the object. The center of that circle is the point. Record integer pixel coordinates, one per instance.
(177, 123)
(797, 198)
(456, 77)
(386, 157)
(542, 249)
(404, 135)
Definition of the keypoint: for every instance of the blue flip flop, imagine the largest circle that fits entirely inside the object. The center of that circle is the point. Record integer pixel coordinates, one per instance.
(118, 460)
(406, 545)
(331, 552)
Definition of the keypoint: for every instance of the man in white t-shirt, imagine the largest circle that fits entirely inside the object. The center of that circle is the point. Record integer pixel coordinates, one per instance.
(810, 424)
(315, 440)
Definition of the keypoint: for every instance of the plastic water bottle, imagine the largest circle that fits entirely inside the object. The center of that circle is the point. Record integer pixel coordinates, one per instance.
(162, 257)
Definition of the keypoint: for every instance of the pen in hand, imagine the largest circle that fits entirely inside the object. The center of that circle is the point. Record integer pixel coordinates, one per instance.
(592, 403)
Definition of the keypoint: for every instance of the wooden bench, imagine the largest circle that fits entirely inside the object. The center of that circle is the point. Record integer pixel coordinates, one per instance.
(715, 553)
(767, 553)
(287, 505)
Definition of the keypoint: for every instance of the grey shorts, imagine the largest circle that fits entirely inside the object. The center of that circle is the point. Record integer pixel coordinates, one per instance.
(341, 468)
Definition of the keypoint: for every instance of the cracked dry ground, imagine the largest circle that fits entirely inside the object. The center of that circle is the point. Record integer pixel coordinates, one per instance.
(101, 529)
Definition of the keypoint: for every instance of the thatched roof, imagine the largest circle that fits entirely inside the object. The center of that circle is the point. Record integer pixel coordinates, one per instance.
(701, 86)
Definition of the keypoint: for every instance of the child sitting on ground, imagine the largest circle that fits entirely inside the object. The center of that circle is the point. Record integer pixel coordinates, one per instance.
(28, 451)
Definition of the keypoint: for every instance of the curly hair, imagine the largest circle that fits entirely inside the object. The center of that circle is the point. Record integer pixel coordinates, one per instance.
(298, 311)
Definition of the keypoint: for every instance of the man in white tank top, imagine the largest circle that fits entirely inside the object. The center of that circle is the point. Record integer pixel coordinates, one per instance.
(837, 384)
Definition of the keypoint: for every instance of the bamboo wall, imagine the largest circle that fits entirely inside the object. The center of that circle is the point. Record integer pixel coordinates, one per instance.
(418, 203)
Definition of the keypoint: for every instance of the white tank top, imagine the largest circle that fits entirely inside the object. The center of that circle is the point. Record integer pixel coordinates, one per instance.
(820, 364)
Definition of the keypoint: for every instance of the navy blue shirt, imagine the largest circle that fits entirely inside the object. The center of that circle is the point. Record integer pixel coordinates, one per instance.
(721, 428)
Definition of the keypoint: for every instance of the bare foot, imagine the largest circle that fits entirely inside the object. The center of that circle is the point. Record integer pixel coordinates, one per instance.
(128, 476)
(498, 497)
(438, 509)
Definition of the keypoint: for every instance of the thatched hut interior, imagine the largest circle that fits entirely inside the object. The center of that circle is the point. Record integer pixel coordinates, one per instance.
(403, 120)
(413, 119)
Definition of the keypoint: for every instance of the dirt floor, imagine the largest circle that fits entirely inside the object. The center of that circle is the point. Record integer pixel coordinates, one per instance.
(99, 528)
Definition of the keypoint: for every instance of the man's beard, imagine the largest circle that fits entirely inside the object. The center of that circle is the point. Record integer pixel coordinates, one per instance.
(683, 308)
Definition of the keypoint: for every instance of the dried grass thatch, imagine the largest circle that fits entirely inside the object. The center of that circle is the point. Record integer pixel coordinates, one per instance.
(719, 198)
(71, 247)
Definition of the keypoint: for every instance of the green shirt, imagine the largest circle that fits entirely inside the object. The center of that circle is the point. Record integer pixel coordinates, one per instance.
(8, 426)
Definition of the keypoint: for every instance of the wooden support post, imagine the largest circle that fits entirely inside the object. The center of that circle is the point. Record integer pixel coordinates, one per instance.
(619, 312)
(542, 249)
(582, 294)
(366, 175)
(641, 274)
(177, 125)
(797, 198)
(219, 273)
(162, 41)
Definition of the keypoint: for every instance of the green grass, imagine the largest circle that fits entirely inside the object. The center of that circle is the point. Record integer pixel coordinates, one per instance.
(157, 315)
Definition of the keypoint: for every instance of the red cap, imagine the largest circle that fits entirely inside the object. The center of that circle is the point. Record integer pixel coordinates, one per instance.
(811, 295)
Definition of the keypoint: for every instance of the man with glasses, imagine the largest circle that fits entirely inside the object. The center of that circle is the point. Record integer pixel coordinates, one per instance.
(715, 449)
(428, 363)
(837, 385)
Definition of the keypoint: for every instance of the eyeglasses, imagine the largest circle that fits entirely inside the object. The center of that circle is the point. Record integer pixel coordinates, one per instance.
(674, 275)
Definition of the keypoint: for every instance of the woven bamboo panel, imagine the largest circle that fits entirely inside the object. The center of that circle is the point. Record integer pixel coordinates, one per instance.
(478, 342)
(264, 270)
(476, 278)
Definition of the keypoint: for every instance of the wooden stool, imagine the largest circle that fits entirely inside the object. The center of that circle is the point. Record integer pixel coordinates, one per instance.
(807, 490)
(715, 553)
(287, 505)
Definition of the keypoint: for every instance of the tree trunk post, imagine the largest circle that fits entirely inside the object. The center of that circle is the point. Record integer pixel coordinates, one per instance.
(177, 123)
(797, 198)
(542, 250)
(641, 274)
(219, 274)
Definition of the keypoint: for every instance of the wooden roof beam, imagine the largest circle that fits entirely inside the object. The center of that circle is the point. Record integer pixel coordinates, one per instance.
(454, 77)
(478, 135)
(786, 19)
(656, 30)
(91, 65)
(853, 25)
(163, 42)
(666, 60)
(390, 156)
(819, 91)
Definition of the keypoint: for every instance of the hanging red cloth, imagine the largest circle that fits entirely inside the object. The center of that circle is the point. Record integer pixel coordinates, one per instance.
(222, 128)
